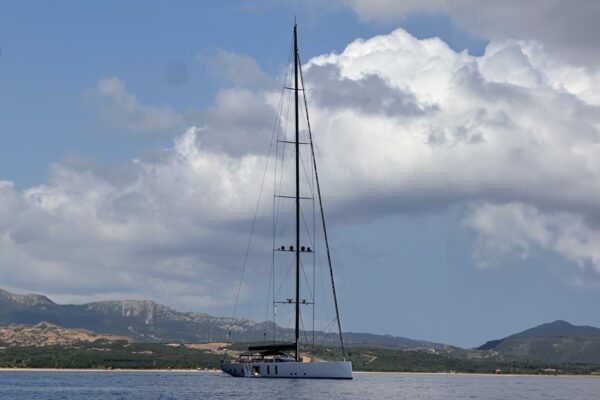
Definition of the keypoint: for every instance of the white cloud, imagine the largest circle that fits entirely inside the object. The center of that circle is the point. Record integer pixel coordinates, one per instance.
(498, 132)
(241, 121)
(516, 228)
(163, 231)
(515, 126)
(120, 109)
(238, 69)
(566, 28)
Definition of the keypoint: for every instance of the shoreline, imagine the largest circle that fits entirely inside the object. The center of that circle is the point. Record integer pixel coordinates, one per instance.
(476, 374)
(215, 371)
(212, 371)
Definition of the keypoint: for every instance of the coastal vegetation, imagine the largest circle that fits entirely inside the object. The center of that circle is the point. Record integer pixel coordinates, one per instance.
(35, 332)
(121, 354)
(108, 355)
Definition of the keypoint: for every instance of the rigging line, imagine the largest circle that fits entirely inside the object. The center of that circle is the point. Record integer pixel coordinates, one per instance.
(291, 262)
(328, 326)
(323, 280)
(323, 291)
(284, 116)
(304, 335)
(304, 165)
(271, 277)
(312, 148)
(325, 338)
(289, 324)
(314, 259)
(282, 96)
(279, 118)
(324, 334)
(273, 230)
(251, 235)
(277, 130)
(285, 164)
(278, 125)
(303, 271)
(275, 205)
(285, 223)
(313, 245)
(306, 175)
(310, 241)
(284, 167)
(278, 207)
(306, 280)
(237, 296)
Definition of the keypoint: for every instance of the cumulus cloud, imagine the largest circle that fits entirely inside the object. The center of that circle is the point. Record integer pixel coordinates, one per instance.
(566, 28)
(122, 110)
(161, 231)
(515, 132)
(237, 69)
(519, 229)
(514, 125)
(370, 94)
(492, 123)
(240, 121)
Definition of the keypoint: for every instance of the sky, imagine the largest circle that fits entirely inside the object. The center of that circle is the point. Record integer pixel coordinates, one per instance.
(458, 145)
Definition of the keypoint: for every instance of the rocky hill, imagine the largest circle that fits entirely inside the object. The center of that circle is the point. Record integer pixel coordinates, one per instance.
(33, 300)
(141, 320)
(147, 321)
(47, 334)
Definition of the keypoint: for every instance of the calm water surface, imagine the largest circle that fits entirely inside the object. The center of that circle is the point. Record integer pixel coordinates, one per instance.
(198, 385)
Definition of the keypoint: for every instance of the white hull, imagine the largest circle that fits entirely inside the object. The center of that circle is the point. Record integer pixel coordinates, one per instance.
(290, 369)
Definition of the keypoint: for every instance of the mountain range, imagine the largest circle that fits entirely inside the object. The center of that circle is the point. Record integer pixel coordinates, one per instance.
(148, 321)
(557, 342)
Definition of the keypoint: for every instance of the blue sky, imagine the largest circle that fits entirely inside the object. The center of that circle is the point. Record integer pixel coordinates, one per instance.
(53, 52)
(431, 272)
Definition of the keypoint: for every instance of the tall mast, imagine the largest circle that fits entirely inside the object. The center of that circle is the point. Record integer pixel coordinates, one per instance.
(297, 142)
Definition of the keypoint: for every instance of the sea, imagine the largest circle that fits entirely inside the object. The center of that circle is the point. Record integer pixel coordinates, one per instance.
(150, 385)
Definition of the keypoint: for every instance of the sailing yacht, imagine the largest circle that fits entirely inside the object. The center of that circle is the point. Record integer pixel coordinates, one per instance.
(284, 360)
